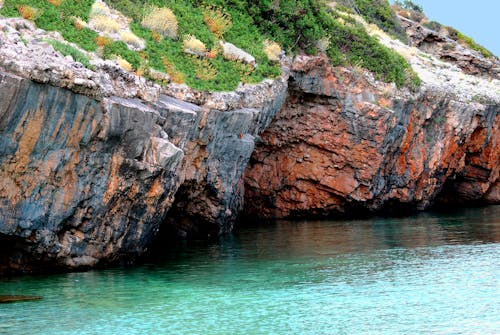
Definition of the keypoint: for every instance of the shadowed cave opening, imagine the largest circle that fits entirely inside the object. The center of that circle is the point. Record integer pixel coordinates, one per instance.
(14, 256)
(181, 226)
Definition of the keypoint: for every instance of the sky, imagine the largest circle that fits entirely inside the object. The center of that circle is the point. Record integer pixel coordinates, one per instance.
(479, 19)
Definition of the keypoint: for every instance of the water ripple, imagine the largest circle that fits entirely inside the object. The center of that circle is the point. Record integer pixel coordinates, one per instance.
(430, 274)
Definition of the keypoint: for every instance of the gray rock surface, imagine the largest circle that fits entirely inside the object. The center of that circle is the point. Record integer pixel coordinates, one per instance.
(443, 47)
(92, 163)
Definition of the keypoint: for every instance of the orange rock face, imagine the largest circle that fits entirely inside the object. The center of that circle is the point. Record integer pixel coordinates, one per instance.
(342, 145)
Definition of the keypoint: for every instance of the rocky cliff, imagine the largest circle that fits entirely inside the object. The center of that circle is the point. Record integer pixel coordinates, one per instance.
(346, 144)
(83, 180)
(439, 44)
(343, 145)
(93, 163)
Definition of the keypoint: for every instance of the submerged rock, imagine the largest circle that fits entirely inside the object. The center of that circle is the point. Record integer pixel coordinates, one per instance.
(5, 299)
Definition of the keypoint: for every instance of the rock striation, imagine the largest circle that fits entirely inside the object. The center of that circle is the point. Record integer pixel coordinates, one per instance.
(94, 163)
(83, 181)
(342, 144)
(88, 176)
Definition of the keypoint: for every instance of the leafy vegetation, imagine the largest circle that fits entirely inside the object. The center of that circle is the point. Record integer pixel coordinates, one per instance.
(410, 10)
(68, 50)
(379, 12)
(303, 24)
(409, 5)
(27, 12)
(352, 44)
(119, 48)
(256, 27)
(217, 20)
(57, 18)
(461, 38)
(415, 12)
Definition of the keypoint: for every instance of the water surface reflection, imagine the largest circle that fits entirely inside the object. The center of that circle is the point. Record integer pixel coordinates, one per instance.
(428, 274)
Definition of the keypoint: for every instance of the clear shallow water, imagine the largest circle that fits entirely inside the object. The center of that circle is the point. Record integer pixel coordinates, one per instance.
(429, 274)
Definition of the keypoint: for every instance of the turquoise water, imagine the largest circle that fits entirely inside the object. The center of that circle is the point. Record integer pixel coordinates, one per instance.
(429, 274)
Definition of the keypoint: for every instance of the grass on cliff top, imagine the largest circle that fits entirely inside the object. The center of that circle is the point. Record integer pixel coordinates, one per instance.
(307, 25)
(162, 54)
(243, 34)
(55, 18)
(68, 50)
(313, 27)
(469, 41)
(378, 12)
(459, 37)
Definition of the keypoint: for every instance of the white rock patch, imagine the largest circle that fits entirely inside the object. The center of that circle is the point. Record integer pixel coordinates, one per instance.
(440, 76)
(101, 11)
(232, 52)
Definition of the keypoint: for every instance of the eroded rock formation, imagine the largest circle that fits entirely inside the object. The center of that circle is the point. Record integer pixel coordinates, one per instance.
(341, 144)
(72, 170)
(94, 162)
(84, 181)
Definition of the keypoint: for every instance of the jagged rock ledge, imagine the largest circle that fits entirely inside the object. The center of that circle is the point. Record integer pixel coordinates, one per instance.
(443, 47)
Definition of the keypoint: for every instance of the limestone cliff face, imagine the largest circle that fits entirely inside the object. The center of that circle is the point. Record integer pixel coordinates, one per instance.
(84, 181)
(93, 163)
(221, 143)
(80, 180)
(341, 144)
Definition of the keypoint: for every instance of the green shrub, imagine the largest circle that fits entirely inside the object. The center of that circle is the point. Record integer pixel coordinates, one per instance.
(120, 48)
(352, 45)
(217, 20)
(67, 49)
(301, 24)
(296, 25)
(58, 18)
(461, 38)
(243, 33)
(379, 12)
(409, 5)
(433, 25)
(410, 10)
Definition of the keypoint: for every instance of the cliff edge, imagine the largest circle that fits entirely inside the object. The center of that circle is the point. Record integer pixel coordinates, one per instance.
(91, 162)
(345, 143)
(95, 159)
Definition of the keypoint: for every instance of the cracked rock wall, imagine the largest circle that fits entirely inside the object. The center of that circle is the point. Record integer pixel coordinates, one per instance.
(344, 145)
(86, 181)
